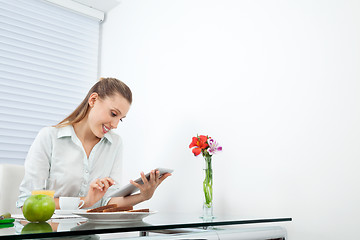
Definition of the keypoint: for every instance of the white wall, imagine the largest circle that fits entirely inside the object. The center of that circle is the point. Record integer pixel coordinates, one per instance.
(275, 82)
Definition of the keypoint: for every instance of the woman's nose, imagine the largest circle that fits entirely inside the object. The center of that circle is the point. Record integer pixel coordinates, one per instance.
(114, 123)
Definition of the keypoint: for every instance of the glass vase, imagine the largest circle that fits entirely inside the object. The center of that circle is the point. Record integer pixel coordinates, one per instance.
(208, 190)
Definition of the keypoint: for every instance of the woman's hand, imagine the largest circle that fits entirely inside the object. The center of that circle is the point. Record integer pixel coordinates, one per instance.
(148, 188)
(97, 190)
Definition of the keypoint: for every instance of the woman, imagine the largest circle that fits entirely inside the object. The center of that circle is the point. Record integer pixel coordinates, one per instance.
(83, 155)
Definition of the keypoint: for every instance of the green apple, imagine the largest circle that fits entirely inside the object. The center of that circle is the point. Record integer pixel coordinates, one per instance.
(39, 208)
(41, 227)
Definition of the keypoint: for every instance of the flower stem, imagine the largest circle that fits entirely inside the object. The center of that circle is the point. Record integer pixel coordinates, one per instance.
(207, 184)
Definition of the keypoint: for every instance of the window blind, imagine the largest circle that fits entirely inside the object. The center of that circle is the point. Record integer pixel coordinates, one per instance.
(48, 62)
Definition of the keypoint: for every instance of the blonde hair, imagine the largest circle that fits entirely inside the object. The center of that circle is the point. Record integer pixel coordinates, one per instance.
(105, 87)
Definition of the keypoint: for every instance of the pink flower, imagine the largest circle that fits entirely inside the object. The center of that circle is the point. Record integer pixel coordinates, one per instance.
(213, 147)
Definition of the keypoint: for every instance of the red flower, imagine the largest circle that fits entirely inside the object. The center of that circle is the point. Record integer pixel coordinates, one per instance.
(199, 143)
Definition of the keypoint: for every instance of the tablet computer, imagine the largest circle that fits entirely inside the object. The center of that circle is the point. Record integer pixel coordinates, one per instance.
(130, 189)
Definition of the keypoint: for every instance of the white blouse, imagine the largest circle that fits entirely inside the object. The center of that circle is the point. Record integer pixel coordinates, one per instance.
(57, 153)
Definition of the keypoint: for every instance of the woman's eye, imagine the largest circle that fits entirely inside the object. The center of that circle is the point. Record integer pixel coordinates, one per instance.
(113, 114)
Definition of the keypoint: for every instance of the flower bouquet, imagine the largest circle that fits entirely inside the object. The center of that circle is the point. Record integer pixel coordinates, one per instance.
(207, 147)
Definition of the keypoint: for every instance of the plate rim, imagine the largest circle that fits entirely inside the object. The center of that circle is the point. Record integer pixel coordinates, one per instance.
(115, 213)
(65, 212)
(114, 216)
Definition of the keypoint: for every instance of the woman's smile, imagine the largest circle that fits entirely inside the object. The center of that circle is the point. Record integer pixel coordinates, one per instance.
(105, 129)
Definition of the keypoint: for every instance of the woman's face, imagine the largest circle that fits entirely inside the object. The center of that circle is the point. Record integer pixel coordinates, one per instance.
(106, 113)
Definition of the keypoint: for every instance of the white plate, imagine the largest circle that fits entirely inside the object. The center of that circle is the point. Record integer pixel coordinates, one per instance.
(66, 212)
(114, 216)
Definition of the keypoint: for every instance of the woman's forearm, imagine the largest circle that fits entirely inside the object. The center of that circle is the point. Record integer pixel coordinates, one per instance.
(131, 200)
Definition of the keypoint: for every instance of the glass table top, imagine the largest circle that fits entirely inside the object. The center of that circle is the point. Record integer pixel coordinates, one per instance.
(71, 226)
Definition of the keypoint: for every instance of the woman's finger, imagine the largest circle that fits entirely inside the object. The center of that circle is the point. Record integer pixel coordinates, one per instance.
(110, 180)
(135, 184)
(152, 176)
(99, 184)
(143, 177)
(105, 183)
(157, 176)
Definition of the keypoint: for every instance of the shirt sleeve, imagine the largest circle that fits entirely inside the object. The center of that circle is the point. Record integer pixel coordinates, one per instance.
(115, 174)
(37, 164)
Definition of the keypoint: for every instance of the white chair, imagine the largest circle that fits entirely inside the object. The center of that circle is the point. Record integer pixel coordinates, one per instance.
(10, 178)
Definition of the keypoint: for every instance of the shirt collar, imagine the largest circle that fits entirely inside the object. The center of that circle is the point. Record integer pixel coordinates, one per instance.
(68, 131)
(65, 131)
(108, 136)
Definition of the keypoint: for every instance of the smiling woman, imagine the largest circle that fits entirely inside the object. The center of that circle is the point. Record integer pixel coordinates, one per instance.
(81, 152)
(99, 111)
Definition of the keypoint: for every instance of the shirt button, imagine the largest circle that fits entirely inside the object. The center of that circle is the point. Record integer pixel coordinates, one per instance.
(86, 171)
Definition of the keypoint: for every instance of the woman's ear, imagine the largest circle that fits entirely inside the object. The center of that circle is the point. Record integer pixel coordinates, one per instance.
(92, 99)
